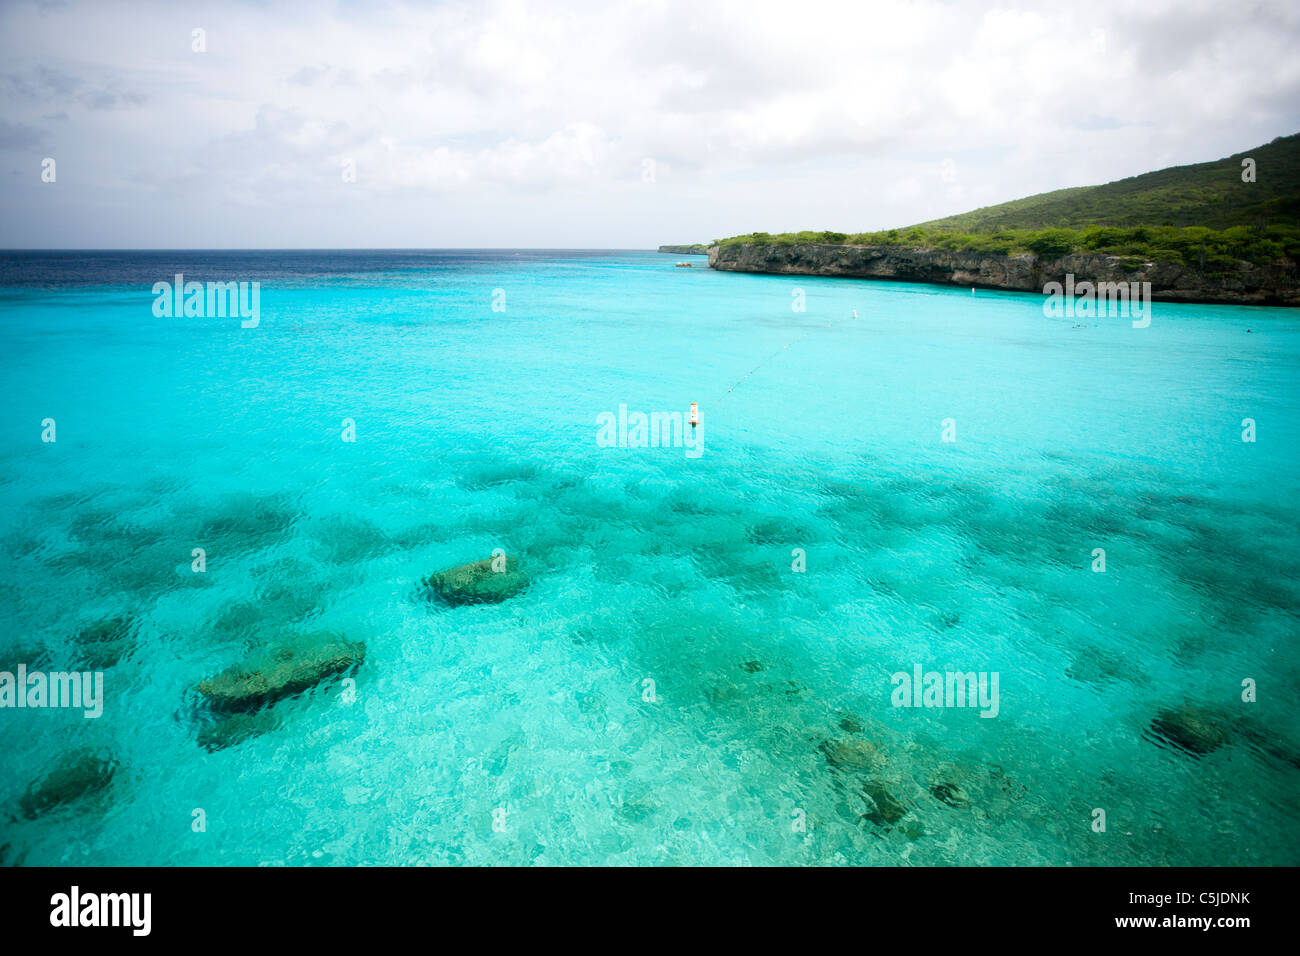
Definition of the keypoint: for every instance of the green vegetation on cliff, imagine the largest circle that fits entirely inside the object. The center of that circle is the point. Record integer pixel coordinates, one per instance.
(1202, 216)
(1205, 194)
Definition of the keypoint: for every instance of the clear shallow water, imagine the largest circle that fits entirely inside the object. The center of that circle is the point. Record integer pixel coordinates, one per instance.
(477, 429)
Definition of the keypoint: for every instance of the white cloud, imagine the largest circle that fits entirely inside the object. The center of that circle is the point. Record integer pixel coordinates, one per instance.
(478, 123)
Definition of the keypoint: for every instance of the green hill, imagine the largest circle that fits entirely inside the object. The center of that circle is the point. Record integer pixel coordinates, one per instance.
(1202, 216)
(1204, 194)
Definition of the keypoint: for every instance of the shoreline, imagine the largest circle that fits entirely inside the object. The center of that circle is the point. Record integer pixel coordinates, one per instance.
(1248, 285)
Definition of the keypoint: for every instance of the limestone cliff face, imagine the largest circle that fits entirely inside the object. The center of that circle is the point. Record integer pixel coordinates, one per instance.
(1247, 285)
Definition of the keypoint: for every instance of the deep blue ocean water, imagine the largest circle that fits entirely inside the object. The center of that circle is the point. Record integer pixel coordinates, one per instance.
(476, 429)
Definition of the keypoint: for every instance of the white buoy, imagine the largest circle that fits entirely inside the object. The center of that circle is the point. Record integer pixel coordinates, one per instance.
(695, 414)
(855, 313)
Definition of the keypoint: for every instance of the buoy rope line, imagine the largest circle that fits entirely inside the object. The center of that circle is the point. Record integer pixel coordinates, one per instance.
(829, 325)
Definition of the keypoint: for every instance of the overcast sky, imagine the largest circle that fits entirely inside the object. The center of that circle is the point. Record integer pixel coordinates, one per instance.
(603, 124)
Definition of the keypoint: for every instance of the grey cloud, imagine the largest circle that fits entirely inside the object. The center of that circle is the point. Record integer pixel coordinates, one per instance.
(49, 85)
(18, 136)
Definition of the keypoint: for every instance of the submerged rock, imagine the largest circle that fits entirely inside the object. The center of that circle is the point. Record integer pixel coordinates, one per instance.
(282, 672)
(912, 830)
(848, 753)
(950, 793)
(496, 474)
(886, 809)
(1193, 730)
(1095, 666)
(30, 655)
(1266, 744)
(1000, 793)
(103, 643)
(78, 773)
(477, 582)
(279, 605)
(948, 783)
(726, 692)
(236, 729)
(636, 811)
(8, 859)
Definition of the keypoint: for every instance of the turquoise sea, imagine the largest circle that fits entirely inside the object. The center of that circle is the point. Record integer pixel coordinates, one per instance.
(668, 689)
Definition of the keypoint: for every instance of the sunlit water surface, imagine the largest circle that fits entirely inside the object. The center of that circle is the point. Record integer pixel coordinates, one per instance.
(662, 691)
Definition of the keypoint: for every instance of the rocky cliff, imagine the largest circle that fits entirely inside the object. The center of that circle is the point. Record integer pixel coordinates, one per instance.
(693, 249)
(1246, 285)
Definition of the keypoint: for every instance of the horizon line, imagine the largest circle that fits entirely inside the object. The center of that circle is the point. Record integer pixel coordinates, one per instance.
(340, 248)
